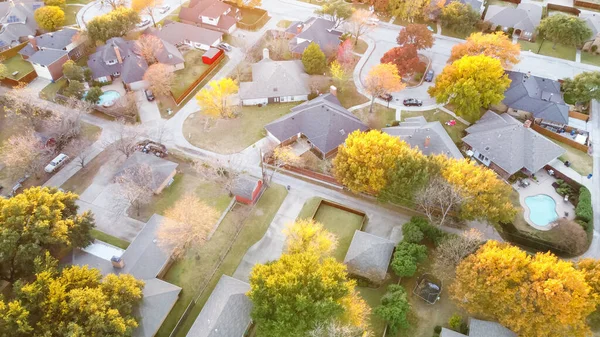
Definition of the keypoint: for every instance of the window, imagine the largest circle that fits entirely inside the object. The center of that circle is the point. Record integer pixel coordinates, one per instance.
(111, 62)
(482, 157)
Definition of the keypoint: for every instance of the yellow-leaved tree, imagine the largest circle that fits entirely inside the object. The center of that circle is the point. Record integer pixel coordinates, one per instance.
(49, 18)
(215, 99)
(537, 296)
(496, 45)
(146, 7)
(309, 236)
(383, 79)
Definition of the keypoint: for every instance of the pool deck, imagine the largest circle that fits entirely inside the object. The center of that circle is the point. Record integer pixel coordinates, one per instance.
(543, 185)
(117, 86)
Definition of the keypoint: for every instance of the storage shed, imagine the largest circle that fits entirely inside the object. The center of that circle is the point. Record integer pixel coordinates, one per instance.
(247, 189)
(211, 55)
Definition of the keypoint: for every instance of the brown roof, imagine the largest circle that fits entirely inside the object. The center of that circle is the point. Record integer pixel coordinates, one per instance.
(208, 8)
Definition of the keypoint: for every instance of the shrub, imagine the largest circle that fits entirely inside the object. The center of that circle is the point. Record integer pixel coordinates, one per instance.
(430, 231)
(395, 123)
(411, 232)
(406, 258)
(394, 308)
(511, 30)
(313, 59)
(437, 329)
(455, 322)
(573, 236)
(584, 211)
(594, 48)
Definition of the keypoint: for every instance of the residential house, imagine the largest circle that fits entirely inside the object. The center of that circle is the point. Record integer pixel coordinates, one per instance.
(274, 82)
(508, 146)
(318, 30)
(479, 328)
(592, 20)
(323, 122)
(429, 137)
(524, 18)
(226, 312)
(119, 58)
(17, 22)
(161, 171)
(48, 52)
(369, 256)
(178, 34)
(211, 14)
(536, 97)
(247, 189)
(144, 260)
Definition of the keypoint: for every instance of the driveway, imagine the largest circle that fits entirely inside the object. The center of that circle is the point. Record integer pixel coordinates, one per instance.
(148, 110)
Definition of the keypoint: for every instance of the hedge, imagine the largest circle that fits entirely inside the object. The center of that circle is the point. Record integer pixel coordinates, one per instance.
(584, 211)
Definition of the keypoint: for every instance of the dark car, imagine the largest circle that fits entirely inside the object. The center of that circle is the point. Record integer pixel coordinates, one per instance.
(429, 76)
(412, 102)
(386, 97)
(149, 95)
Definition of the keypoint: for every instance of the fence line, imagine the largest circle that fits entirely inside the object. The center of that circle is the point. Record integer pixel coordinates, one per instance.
(202, 77)
(560, 138)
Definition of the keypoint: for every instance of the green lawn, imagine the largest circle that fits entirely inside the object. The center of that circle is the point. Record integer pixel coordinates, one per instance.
(192, 273)
(580, 161)
(71, 14)
(16, 63)
(373, 298)
(560, 51)
(185, 77)
(236, 134)
(50, 91)
(284, 24)
(589, 58)
(98, 235)
(349, 95)
(455, 132)
(379, 118)
(448, 31)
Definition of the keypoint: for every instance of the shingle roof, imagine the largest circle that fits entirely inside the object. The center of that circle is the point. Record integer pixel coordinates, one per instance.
(415, 131)
(226, 313)
(168, 54)
(479, 328)
(208, 8)
(369, 256)
(133, 67)
(17, 21)
(592, 20)
(177, 32)
(451, 333)
(159, 298)
(56, 40)
(525, 16)
(322, 120)
(509, 144)
(47, 56)
(537, 95)
(244, 186)
(319, 31)
(161, 169)
(276, 79)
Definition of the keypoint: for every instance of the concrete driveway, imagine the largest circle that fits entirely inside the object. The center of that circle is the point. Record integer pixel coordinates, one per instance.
(148, 110)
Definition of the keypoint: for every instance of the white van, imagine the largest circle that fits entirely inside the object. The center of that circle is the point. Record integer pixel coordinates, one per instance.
(56, 163)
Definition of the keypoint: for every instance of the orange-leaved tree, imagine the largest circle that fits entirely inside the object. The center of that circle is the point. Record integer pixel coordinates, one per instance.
(383, 79)
(416, 34)
(496, 45)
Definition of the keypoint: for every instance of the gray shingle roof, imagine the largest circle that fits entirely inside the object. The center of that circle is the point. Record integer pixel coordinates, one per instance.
(244, 186)
(159, 298)
(509, 144)
(276, 79)
(592, 20)
(168, 54)
(56, 40)
(525, 16)
(323, 120)
(415, 131)
(17, 21)
(176, 32)
(46, 57)
(133, 67)
(319, 31)
(226, 313)
(161, 168)
(369, 256)
(451, 333)
(479, 328)
(537, 95)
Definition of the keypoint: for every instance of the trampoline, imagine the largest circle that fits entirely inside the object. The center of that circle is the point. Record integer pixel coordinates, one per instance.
(428, 288)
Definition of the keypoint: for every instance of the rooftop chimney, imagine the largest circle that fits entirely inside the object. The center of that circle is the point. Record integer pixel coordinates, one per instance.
(299, 29)
(527, 123)
(266, 54)
(333, 90)
(118, 52)
(427, 141)
(117, 262)
(33, 42)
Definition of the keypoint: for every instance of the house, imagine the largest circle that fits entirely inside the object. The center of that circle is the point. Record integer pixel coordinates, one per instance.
(479, 328)
(211, 56)
(318, 30)
(524, 18)
(247, 189)
(274, 82)
(323, 122)
(537, 97)
(592, 20)
(144, 260)
(211, 14)
(119, 58)
(17, 22)
(429, 137)
(161, 172)
(48, 52)
(508, 146)
(226, 313)
(178, 34)
(369, 256)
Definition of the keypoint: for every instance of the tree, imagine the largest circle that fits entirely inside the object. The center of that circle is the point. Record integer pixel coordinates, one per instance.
(337, 11)
(450, 252)
(114, 24)
(14, 320)
(147, 46)
(379, 5)
(114, 4)
(160, 76)
(313, 59)
(583, 87)
(3, 71)
(215, 100)
(284, 155)
(438, 199)
(339, 74)
(394, 308)
(72, 71)
(49, 18)
(309, 236)
(75, 89)
(471, 83)
(382, 79)
(146, 7)
(496, 45)
(36, 221)
(25, 154)
(93, 95)
(460, 17)
(404, 58)
(136, 185)
(364, 161)
(77, 150)
(125, 138)
(409, 10)
(345, 54)
(416, 34)
(564, 29)
(58, 3)
(494, 281)
(591, 269)
(412, 172)
(411, 232)
(18, 104)
(187, 225)
(406, 258)
(127, 106)
(359, 23)
(335, 329)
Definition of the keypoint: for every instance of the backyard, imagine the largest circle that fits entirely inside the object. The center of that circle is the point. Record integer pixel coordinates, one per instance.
(455, 132)
(379, 118)
(233, 135)
(16, 63)
(580, 161)
(545, 48)
(194, 68)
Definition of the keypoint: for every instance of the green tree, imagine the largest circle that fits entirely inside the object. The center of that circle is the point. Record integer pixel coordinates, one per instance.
(411, 173)
(313, 59)
(3, 71)
(394, 308)
(93, 95)
(72, 71)
(74, 89)
(411, 232)
(460, 17)
(14, 319)
(406, 258)
(114, 24)
(58, 3)
(39, 220)
(338, 11)
(49, 18)
(583, 87)
(565, 29)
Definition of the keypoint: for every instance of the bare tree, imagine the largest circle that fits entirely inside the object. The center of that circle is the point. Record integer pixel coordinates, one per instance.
(279, 48)
(224, 175)
(187, 225)
(25, 154)
(136, 185)
(126, 106)
(438, 199)
(147, 46)
(125, 138)
(160, 76)
(19, 103)
(284, 155)
(114, 4)
(359, 24)
(160, 133)
(337, 329)
(78, 151)
(453, 250)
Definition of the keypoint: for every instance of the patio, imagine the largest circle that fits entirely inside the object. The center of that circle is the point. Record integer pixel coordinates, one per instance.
(543, 185)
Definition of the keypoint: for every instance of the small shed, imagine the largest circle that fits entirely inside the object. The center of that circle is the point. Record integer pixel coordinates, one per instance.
(211, 55)
(247, 189)
(369, 256)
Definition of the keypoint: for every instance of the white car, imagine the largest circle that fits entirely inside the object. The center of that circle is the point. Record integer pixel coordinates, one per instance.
(56, 163)
(225, 46)
(164, 9)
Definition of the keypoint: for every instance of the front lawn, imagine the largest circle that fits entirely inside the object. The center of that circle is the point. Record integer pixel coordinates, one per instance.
(379, 118)
(50, 91)
(545, 48)
(98, 235)
(16, 63)
(590, 58)
(580, 161)
(360, 47)
(195, 271)
(194, 68)
(233, 135)
(449, 31)
(455, 132)
(71, 14)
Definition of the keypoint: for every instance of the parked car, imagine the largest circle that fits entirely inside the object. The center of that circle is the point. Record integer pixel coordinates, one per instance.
(149, 95)
(56, 163)
(143, 23)
(429, 75)
(164, 9)
(386, 97)
(412, 102)
(224, 46)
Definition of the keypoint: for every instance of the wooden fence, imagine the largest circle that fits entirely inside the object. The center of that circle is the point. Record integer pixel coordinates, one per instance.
(579, 115)
(32, 75)
(258, 24)
(586, 4)
(12, 51)
(560, 138)
(565, 9)
(202, 77)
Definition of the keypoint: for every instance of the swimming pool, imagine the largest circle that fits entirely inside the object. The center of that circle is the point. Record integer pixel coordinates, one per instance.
(542, 209)
(109, 98)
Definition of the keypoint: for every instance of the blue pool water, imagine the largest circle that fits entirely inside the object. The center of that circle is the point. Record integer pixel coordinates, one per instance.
(542, 209)
(109, 98)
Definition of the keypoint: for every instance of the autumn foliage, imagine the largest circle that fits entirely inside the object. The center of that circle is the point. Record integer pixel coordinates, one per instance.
(383, 79)
(496, 45)
(404, 58)
(417, 35)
